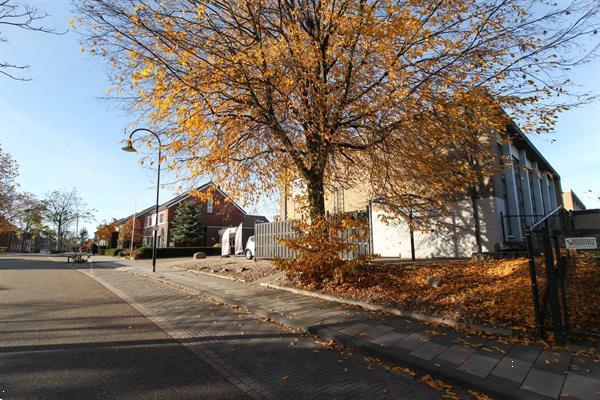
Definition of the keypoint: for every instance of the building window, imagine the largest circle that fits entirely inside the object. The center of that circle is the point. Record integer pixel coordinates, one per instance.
(519, 184)
(209, 206)
(148, 221)
(533, 198)
(160, 218)
(338, 201)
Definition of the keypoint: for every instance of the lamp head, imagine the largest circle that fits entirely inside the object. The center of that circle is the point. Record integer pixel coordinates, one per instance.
(129, 147)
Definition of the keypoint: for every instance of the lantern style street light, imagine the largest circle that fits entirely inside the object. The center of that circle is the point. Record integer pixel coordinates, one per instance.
(130, 149)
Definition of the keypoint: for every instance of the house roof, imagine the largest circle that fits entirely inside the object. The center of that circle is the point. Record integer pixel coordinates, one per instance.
(137, 214)
(251, 220)
(177, 199)
(181, 197)
(521, 139)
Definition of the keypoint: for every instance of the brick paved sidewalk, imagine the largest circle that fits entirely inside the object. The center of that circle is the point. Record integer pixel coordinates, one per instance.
(262, 359)
(515, 371)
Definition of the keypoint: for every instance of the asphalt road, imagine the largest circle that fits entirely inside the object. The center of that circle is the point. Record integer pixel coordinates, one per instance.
(63, 336)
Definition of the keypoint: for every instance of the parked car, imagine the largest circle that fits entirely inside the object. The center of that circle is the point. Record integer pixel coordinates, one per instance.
(250, 248)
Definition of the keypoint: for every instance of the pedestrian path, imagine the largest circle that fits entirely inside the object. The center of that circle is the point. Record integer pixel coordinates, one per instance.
(264, 360)
(512, 370)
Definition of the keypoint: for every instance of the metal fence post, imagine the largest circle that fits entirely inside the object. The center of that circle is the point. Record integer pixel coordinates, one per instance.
(539, 326)
(551, 285)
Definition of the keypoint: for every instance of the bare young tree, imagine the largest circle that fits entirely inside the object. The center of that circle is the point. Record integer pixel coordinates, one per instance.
(62, 209)
(26, 17)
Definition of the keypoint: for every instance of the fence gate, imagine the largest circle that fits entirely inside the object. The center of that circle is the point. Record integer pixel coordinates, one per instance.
(564, 265)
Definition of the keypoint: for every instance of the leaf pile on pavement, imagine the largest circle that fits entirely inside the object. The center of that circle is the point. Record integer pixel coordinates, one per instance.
(237, 268)
(494, 293)
(583, 288)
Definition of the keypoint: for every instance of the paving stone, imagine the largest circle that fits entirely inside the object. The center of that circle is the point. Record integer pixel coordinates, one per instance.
(355, 329)
(378, 331)
(544, 383)
(524, 353)
(429, 351)
(405, 325)
(388, 339)
(581, 387)
(412, 341)
(553, 361)
(446, 337)
(478, 365)
(512, 369)
(457, 354)
(585, 365)
(495, 349)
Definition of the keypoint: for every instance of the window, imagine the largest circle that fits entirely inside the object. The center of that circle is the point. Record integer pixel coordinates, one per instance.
(338, 201)
(532, 191)
(209, 206)
(160, 218)
(149, 221)
(519, 184)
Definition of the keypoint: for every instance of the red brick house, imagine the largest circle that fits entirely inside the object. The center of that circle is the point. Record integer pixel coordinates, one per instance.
(219, 213)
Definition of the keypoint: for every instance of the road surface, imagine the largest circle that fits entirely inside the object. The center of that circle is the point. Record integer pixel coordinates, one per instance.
(65, 336)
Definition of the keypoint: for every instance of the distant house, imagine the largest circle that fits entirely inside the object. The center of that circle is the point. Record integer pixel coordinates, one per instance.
(571, 201)
(527, 189)
(125, 225)
(218, 213)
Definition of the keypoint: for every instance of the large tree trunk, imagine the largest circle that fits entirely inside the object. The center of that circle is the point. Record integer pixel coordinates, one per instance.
(316, 195)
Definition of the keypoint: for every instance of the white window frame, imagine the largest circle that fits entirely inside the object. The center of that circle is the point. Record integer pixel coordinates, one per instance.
(209, 206)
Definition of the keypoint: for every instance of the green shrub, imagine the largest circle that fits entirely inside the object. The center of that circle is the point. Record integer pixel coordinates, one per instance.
(113, 252)
(168, 252)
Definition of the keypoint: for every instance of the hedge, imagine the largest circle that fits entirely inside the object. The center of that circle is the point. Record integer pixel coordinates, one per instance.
(113, 252)
(168, 252)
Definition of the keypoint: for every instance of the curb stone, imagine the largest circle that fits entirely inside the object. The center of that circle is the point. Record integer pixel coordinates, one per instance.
(498, 389)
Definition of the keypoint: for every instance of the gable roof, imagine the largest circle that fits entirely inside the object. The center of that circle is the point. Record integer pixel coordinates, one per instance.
(251, 220)
(178, 199)
(137, 214)
(181, 197)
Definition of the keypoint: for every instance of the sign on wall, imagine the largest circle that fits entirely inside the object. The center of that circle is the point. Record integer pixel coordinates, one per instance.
(581, 243)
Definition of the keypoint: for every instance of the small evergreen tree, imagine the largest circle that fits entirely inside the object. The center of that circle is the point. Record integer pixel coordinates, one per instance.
(188, 223)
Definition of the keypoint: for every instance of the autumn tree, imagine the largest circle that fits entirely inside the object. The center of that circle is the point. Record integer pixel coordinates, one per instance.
(31, 224)
(400, 94)
(132, 226)
(63, 209)
(12, 202)
(19, 16)
(106, 230)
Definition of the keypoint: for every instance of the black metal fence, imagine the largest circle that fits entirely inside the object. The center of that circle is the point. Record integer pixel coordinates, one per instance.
(565, 276)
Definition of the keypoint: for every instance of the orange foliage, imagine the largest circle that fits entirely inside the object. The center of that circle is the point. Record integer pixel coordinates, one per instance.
(105, 230)
(494, 293)
(403, 95)
(318, 248)
(126, 228)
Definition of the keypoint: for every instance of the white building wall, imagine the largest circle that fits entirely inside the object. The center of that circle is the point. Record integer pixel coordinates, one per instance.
(457, 239)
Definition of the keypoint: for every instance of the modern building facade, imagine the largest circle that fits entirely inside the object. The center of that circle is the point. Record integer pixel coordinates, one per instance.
(571, 201)
(527, 189)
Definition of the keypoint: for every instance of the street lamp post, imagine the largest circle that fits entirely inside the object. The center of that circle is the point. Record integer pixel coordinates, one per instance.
(129, 148)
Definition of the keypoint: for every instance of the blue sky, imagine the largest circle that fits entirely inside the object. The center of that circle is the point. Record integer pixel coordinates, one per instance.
(63, 136)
